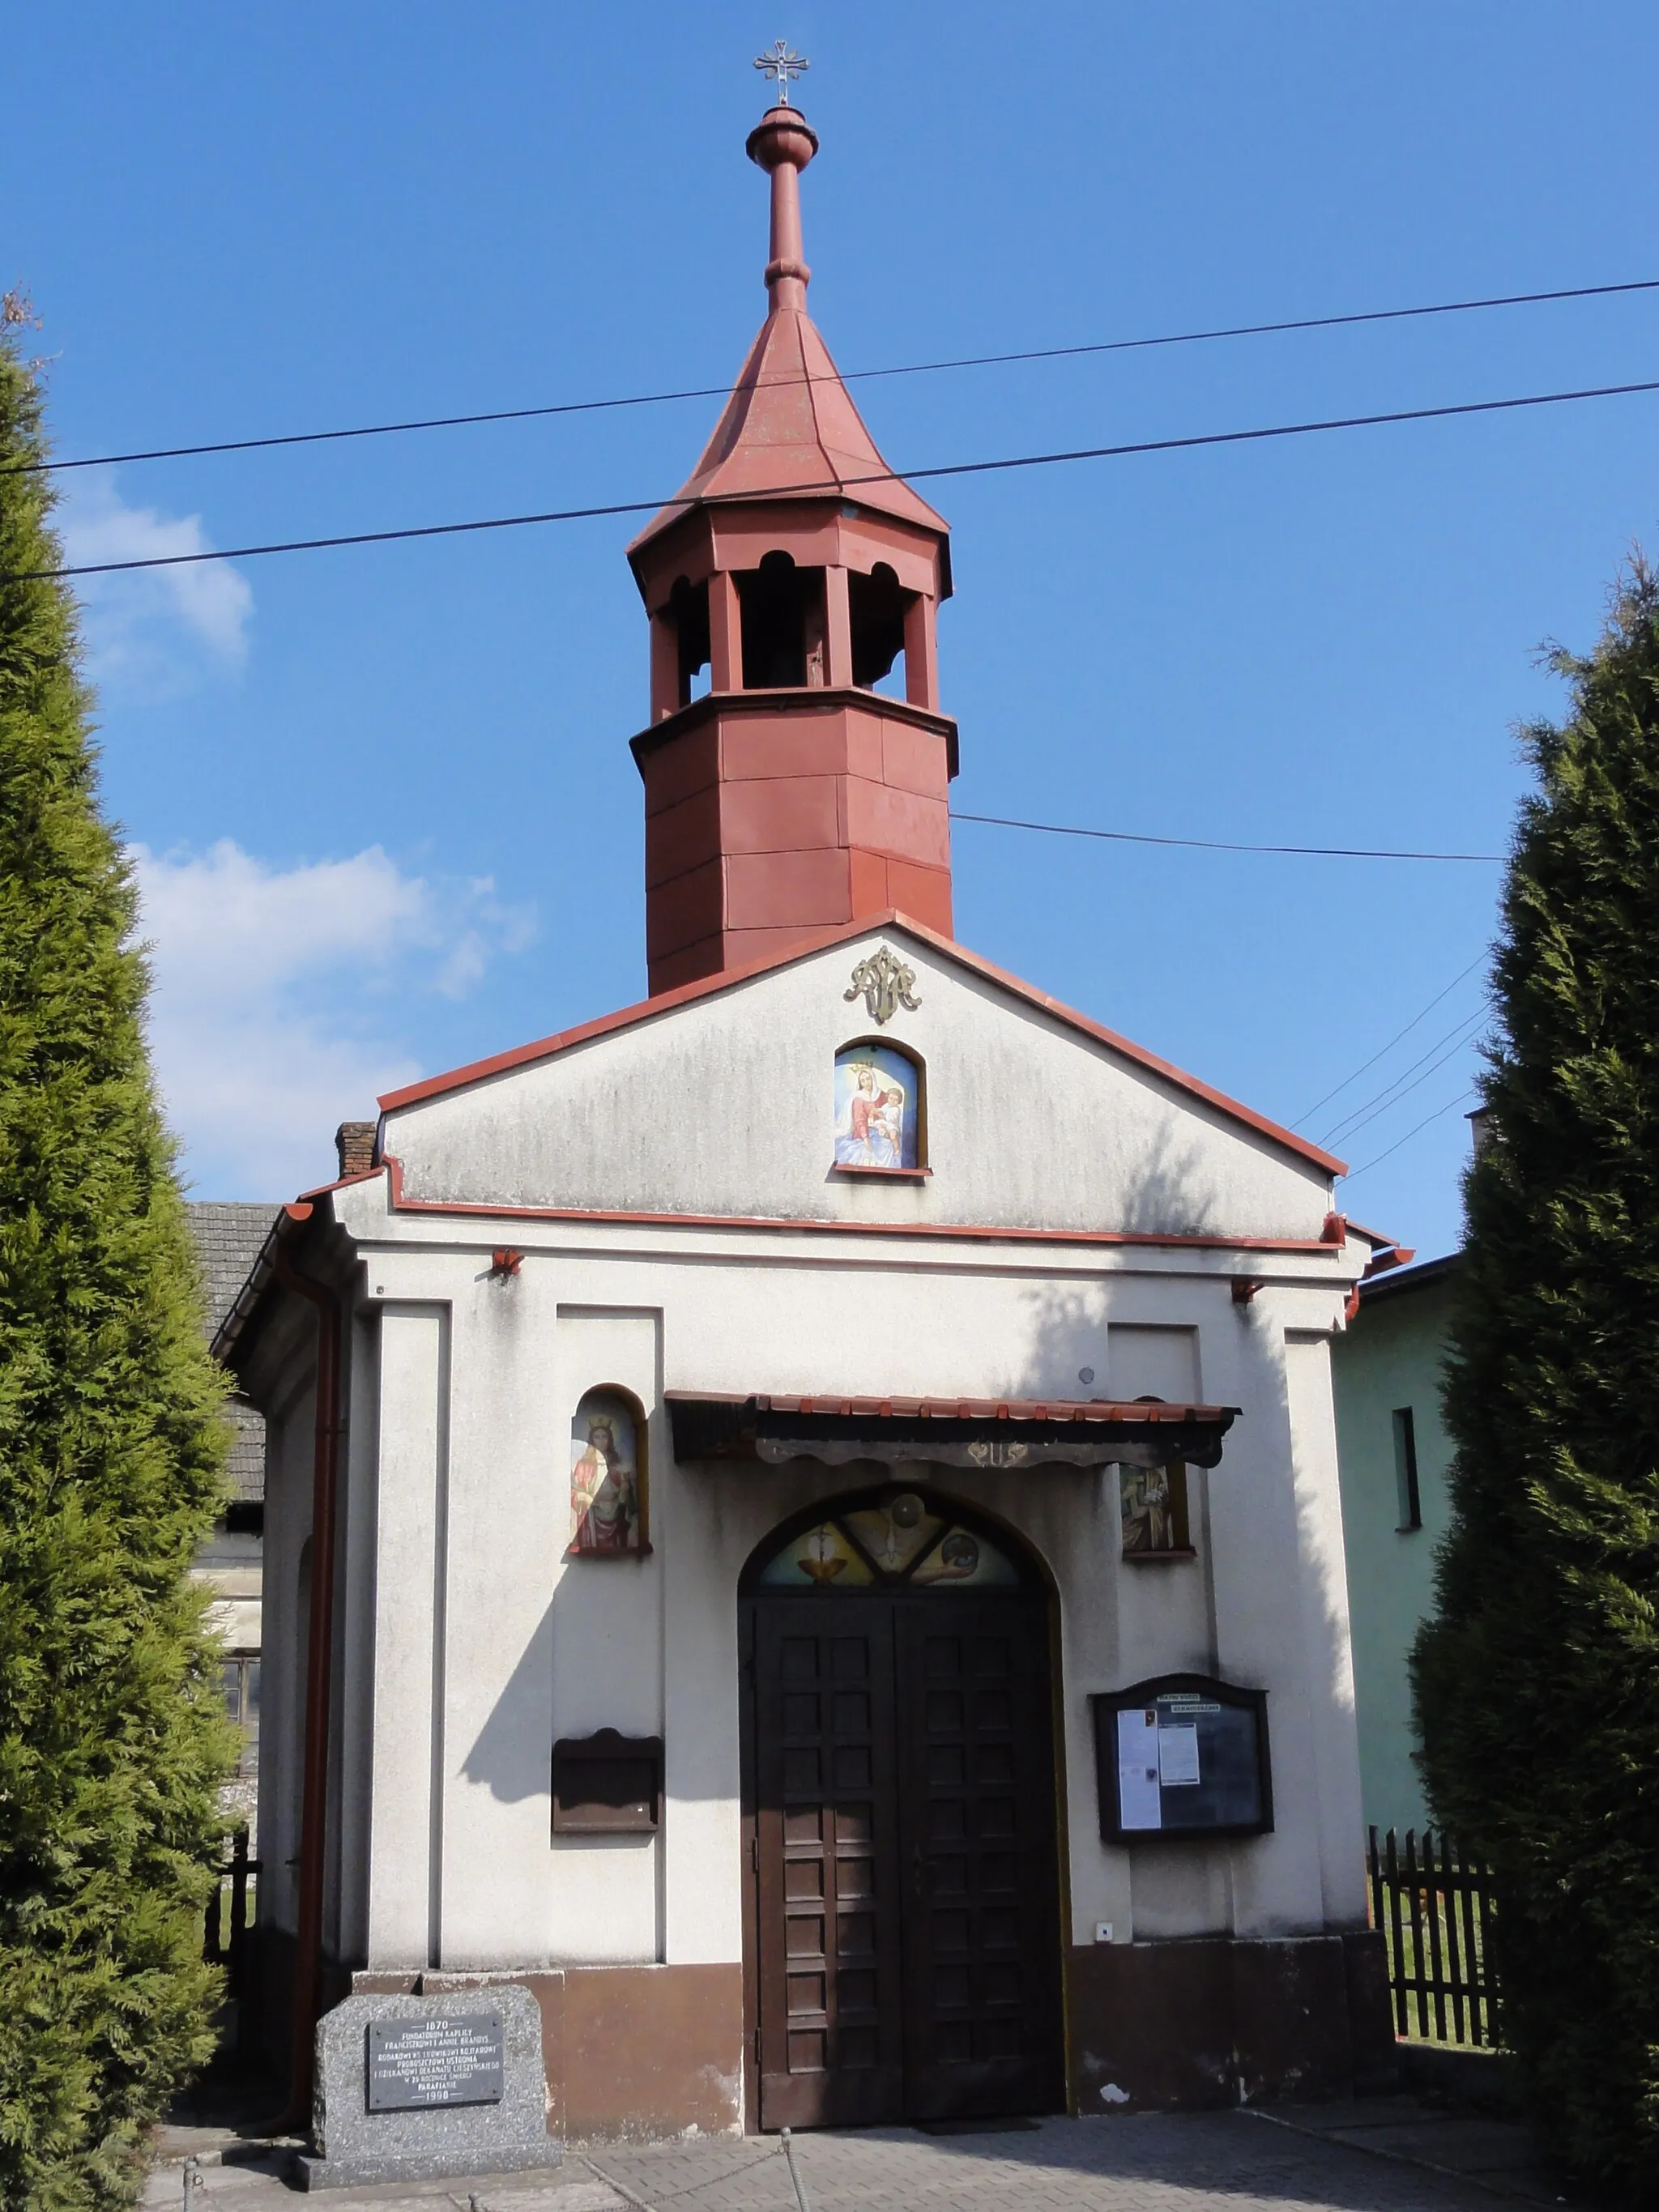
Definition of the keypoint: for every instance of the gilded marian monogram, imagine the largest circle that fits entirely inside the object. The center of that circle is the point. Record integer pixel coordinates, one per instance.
(995, 1455)
(886, 985)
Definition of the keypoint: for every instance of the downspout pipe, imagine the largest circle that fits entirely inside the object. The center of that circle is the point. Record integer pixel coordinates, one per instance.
(319, 1668)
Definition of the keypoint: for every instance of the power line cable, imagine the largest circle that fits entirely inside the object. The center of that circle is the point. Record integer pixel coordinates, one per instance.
(613, 507)
(1454, 1046)
(1466, 1022)
(1390, 1045)
(1218, 845)
(852, 376)
(1409, 1134)
(1391, 1095)
(1388, 1105)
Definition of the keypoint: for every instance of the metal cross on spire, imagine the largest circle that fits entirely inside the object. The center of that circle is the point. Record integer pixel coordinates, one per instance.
(784, 66)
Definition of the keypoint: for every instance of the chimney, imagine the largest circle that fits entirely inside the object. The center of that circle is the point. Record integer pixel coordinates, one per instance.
(355, 1143)
(1481, 1130)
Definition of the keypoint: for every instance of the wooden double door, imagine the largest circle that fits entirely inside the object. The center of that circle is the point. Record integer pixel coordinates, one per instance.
(906, 1929)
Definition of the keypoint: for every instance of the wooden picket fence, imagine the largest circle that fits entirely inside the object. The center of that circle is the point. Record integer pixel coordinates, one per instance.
(229, 1914)
(1435, 1909)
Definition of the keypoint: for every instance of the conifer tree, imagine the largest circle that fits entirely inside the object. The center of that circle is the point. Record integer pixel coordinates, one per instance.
(1537, 1682)
(112, 1744)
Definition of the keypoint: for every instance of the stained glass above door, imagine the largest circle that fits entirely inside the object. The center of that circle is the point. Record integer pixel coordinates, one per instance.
(898, 1541)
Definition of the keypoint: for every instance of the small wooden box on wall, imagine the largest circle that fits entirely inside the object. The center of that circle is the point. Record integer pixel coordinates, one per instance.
(607, 1784)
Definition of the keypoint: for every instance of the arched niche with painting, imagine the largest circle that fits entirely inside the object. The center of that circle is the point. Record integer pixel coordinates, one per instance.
(1153, 1501)
(609, 1477)
(880, 1111)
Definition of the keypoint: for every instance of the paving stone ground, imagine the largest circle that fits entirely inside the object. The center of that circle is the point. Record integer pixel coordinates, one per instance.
(1385, 2155)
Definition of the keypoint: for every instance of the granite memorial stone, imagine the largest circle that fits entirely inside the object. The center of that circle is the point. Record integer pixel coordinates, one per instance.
(414, 2088)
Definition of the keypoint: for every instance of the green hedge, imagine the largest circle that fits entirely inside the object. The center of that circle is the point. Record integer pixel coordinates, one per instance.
(1538, 1682)
(112, 1741)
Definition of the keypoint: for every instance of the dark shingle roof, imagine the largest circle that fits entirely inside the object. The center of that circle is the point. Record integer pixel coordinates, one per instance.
(245, 1463)
(1401, 1282)
(229, 1236)
(228, 1239)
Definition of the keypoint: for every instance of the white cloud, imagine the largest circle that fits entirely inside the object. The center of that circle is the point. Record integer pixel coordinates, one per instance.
(154, 625)
(269, 1016)
(464, 967)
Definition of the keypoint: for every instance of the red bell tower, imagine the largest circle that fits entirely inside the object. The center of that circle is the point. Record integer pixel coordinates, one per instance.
(790, 796)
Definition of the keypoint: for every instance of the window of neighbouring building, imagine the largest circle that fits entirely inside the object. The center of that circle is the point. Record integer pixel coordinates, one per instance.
(1405, 1469)
(239, 1682)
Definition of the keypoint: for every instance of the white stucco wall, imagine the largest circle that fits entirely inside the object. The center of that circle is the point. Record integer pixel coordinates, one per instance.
(468, 1641)
(537, 1646)
(604, 1637)
(413, 1669)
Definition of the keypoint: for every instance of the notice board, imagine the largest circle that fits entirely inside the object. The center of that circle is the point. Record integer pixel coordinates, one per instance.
(607, 1784)
(1181, 1755)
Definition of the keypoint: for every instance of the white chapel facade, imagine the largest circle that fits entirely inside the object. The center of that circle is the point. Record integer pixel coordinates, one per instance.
(840, 1596)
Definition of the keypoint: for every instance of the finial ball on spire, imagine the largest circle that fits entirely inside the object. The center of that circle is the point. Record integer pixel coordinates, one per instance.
(783, 136)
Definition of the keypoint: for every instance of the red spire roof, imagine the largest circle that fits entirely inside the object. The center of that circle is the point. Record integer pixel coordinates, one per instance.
(790, 428)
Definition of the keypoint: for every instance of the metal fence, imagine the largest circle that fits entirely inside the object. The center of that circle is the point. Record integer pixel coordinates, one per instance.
(230, 1914)
(1436, 1909)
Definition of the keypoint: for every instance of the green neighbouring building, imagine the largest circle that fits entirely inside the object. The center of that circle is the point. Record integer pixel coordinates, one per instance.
(1394, 1452)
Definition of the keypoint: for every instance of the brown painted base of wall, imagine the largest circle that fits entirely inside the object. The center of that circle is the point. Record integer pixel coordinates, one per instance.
(1215, 2021)
(635, 2052)
(645, 2051)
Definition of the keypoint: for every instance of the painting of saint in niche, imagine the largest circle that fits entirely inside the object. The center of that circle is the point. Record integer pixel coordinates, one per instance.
(877, 1101)
(1154, 1505)
(606, 1480)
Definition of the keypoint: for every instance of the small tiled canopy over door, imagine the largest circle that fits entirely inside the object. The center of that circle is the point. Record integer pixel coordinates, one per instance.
(905, 1932)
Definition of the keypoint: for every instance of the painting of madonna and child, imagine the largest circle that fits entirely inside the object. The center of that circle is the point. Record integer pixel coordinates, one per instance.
(876, 1108)
(607, 1486)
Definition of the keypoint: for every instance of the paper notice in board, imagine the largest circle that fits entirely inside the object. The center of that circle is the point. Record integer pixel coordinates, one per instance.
(1177, 1756)
(1138, 1805)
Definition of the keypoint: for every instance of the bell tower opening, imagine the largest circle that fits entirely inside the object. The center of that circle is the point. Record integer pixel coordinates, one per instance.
(782, 625)
(876, 606)
(687, 612)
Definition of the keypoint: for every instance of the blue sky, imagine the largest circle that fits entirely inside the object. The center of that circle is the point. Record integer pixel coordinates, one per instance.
(386, 813)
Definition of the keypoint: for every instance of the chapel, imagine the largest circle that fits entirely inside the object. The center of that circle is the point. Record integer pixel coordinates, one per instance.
(849, 1613)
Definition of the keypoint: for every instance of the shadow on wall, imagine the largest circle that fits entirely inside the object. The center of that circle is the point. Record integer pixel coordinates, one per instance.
(511, 1755)
(1066, 1325)
(1067, 1337)
(1170, 1197)
(1321, 1535)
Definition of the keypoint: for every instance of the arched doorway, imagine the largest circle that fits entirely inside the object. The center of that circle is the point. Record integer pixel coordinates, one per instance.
(902, 1944)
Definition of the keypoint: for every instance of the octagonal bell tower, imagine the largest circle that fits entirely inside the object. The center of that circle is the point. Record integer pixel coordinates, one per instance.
(789, 796)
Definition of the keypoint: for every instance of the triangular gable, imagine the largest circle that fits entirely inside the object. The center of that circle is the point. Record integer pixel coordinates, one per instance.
(647, 1009)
